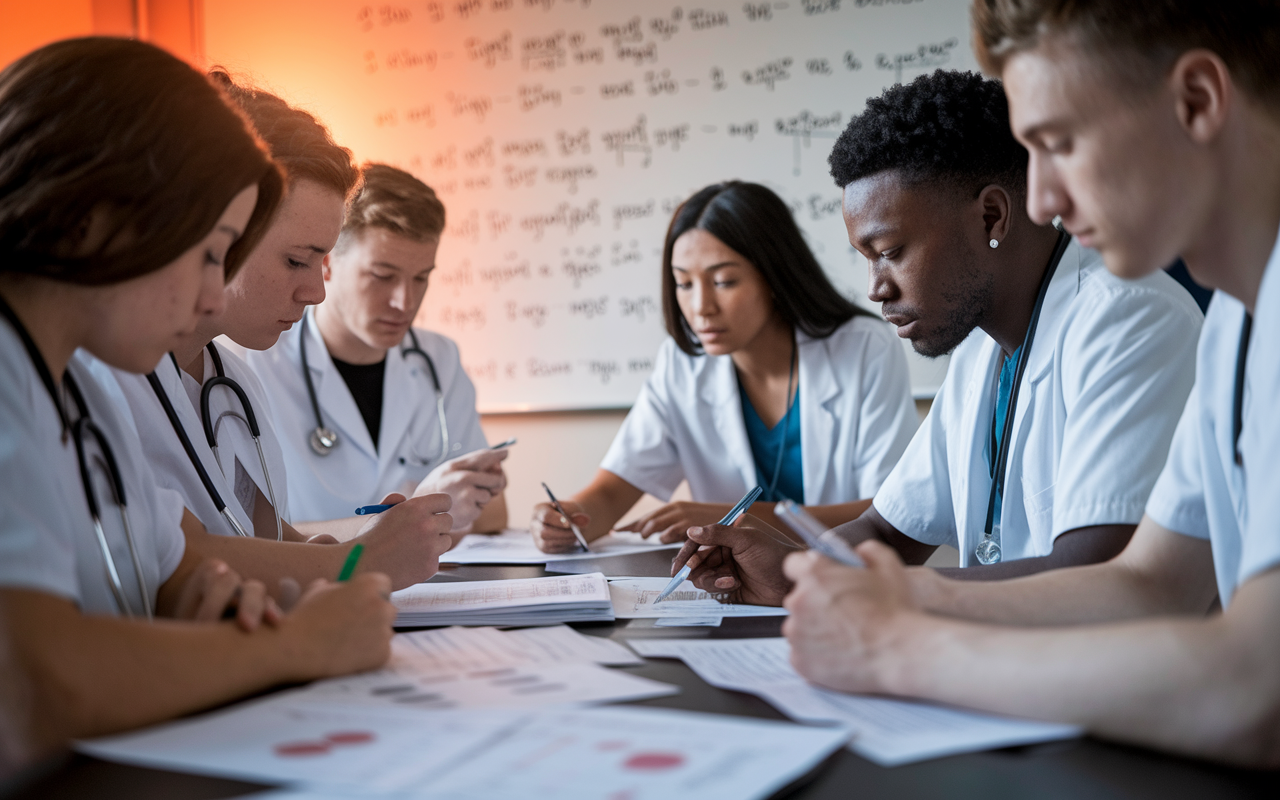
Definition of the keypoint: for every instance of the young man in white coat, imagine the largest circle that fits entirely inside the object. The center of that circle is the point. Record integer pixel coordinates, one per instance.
(1154, 130)
(1066, 383)
(380, 406)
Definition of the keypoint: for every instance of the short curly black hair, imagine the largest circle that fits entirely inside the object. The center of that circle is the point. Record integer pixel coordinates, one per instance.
(947, 127)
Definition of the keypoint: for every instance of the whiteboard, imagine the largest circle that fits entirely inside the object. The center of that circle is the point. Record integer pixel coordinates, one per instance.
(561, 134)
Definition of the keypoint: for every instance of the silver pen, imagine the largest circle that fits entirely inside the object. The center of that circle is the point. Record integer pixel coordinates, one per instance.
(728, 519)
(577, 534)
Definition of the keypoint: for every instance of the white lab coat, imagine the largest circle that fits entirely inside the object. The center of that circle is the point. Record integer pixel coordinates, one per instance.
(1105, 382)
(355, 473)
(47, 539)
(856, 417)
(1202, 491)
(237, 470)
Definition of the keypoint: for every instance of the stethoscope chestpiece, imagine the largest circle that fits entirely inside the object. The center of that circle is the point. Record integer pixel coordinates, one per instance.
(323, 440)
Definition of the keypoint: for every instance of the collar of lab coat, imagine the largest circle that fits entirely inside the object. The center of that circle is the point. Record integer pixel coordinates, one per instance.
(819, 386)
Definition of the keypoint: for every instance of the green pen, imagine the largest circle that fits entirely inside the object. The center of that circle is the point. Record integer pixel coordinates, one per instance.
(349, 566)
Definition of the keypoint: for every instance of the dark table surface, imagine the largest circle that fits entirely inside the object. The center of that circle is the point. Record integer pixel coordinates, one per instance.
(1074, 769)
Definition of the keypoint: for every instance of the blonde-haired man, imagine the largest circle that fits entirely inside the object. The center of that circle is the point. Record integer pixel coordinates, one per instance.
(365, 404)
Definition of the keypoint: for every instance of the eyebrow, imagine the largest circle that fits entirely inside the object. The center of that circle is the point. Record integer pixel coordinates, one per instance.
(876, 233)
(721, 265)
(235, 234)
(318, 250)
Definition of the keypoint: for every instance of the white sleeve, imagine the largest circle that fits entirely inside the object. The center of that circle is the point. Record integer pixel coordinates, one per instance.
(37, 550)
(887, 419)
(460, 405)
(1260, 444)
(1177, 500)
(1130, 366)
(644, 453)
(916, 497)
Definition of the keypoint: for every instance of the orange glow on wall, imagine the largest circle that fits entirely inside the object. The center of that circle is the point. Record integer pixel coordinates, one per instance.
(26, 25)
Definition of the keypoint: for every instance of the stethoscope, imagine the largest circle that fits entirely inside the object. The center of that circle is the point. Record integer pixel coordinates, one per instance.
(771, 493)
(211, 427)
(1237, 400)
(323, 439)
(85, 426)
(988, 550)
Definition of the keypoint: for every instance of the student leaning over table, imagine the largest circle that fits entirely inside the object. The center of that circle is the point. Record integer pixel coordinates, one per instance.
(1154, 130)
(279, 277)
(378, 396)
(1076, 377)
(769, 376)
(129, 189)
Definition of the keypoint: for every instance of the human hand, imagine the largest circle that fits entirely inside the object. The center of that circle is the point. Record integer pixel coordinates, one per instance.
(841, 617)
(214, 591)
(471, 481)
(405, 542)
(341, 628)
(743, 560)
(671, 522)
(551, 532)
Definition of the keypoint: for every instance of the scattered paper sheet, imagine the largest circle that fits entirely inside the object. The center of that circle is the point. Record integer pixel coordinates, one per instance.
(522, 601)
(633, 598)
(462, 649)
(888, 732)
(688, 622)
(497, 687)
(517, 547)
(587, 754)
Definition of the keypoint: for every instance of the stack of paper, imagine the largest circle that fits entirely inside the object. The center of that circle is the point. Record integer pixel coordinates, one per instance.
(524, 601)
(634, 753)
(517, 547)
(888, 732)
(633, 598)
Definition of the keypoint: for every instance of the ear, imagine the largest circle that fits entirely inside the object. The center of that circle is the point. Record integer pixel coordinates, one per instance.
(326, 270)
(997, 211)
(1203, 94)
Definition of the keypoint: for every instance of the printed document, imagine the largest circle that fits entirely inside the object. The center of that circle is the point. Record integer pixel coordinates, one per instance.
(633, 598)
(517, 547)
(888, 732)
(522, 601)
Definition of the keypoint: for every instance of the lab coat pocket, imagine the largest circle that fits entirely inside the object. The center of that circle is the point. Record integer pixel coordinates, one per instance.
(1039, 505)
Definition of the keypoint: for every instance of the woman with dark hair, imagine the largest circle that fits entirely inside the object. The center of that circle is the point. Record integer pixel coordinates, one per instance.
(129, 191)
(770, 378)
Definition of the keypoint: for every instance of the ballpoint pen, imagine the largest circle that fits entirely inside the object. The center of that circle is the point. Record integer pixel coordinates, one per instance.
(728, 519)
(577, 534)
(815, 534)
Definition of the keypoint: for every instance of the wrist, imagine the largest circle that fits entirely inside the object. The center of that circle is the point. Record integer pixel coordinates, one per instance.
(899, 653)
(929, 589)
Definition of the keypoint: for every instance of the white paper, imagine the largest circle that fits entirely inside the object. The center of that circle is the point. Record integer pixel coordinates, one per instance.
(521, 601)
(461, 649)
(888, 732)
(587, 754)
(688, 622)
(517, 547)
(633, 598)
(499, 687)
(641, 754)
(376, 750)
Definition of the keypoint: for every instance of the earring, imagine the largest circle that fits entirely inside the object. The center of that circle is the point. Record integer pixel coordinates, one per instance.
(994, 243)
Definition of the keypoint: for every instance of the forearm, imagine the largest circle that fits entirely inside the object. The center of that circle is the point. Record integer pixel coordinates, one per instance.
(870, 525)
(270, 561)
(344, 529)
(1206, 687)
(494, 516)
(605, 500)
(1091, 545)
(96, 675)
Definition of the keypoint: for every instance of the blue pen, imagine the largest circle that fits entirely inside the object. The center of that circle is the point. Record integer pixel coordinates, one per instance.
(728, 519)
(378, 509)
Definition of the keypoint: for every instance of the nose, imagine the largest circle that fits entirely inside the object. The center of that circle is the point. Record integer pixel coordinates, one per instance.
(880, 286)
(1046, 196)
(211, 299)
(704, 299)
(400, 296)
(310, 290)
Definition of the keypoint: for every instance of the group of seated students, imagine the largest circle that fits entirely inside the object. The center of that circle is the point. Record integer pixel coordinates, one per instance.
(209, 361)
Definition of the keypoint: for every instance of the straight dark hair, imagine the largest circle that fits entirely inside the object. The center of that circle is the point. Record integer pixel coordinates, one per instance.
(124, 132)
(754, 222)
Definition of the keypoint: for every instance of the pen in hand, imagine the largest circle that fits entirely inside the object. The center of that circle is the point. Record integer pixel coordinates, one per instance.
(349, 566)
(577, 532)
(728, 519)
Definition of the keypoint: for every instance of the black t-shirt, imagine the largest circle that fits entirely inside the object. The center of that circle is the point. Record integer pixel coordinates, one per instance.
(365, 383)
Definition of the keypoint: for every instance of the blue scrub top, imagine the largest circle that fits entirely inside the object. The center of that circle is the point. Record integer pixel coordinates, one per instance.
(765, 442)
(1004, 388)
